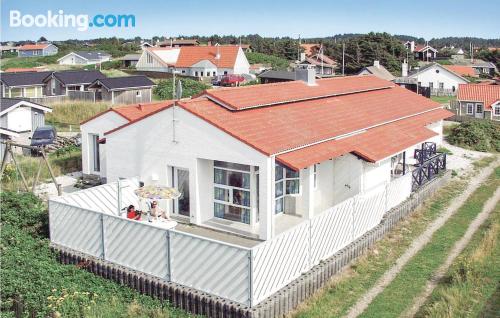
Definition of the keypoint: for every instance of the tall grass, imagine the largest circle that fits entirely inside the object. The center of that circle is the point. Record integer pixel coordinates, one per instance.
(74, 112)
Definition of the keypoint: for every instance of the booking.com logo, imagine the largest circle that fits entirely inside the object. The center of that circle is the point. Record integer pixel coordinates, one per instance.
(61, 20)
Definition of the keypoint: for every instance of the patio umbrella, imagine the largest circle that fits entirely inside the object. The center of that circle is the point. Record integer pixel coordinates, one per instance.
(153, 192)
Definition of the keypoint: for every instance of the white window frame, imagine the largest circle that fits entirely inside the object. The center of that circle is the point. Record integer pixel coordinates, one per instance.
(283, 182)
(496, 110)
(230, 193)
(95, 153)
(477, 108)
(467, 108)
(149, 58)
(315, 175)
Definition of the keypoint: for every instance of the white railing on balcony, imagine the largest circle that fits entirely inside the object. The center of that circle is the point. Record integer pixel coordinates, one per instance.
(87, 221)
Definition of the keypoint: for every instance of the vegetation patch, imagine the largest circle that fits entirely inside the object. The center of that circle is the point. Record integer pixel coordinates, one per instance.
(479, 135)
(443, 99)
(73, 113)
(164, 88)
(409, 283)
(30, 272)
(277, 63)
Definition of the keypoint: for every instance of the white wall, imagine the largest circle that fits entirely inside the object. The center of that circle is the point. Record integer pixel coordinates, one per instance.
(376, 175)
(241, 66)
(99, 126)
(438, 128)
(444, 76)
(72, 59)
(19, 119)
(139, 150)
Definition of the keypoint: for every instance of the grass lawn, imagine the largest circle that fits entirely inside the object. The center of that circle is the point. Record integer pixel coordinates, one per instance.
(399, 295)
(470, 288)
(345, 289)
(47, 288)
(72, 113)
(114, 73)
(443, 99)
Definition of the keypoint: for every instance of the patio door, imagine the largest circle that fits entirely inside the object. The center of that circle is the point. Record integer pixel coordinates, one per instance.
(180, 179)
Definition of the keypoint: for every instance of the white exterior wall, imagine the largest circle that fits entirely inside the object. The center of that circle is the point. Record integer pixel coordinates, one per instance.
(376, 175)
(19, 119)
(155, 66)
(98, 126)
(138, 150)
(241, 66)
(72, 59)
(449, 79)
(438, 128)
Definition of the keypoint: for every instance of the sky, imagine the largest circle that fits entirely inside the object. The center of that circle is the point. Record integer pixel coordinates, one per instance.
(421, 18)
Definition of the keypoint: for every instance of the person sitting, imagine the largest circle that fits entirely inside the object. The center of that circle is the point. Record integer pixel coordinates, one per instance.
(156, 211)
(133, 214)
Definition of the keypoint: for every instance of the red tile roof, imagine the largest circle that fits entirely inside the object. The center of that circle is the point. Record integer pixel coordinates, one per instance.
(310, 49)
(189, 55)
(372, 145)
(285, 92)
(461, 70)
(285, 127)
(21, 69)
(133, 113)
(33, 47)
(488, 94)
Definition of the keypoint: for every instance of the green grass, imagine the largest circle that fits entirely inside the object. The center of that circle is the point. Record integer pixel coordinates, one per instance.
(277, 63)
(30, 271)
(399, 295)
(443, 99)
(73, 113)
(469, 288)
(345, 289)
(114, 73)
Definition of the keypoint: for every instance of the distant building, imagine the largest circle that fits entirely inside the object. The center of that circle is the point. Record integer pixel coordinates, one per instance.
(9, 49)
(34, 50)
(425, 52)
(479, 101)
(377, 70)
(178, 43)
(440, 80)
(84, 58)
(60, 83)
(310, 48)
(23, 84)
(325, 66)
(272, 76)
(409, 45)
(123, 90)
(196, 61)
(130, 60)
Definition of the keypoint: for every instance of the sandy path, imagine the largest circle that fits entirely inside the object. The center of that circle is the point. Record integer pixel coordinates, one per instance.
(419, 243)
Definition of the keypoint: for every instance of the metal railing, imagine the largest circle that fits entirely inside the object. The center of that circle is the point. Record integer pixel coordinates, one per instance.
(428, 170)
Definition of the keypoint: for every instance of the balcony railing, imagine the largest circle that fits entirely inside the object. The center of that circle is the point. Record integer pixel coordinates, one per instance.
(428, 170)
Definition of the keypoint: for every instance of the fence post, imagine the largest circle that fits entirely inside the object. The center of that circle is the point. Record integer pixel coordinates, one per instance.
(169, 253)
(352, 216)
(250, 277)
(102, 237)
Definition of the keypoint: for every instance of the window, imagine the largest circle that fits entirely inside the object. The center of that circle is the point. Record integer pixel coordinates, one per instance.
(479, 108)
(138, 94)
(16, 92)
(213, 73)
(232, 191)
(183, 71)
(441, 85)
(202, 74)
(315, 174)
(95, 152)
(496, 110)
(196, 73)
(286, 182)
(431, 85)
(53, 86)
(225, 72)
(470, 109)
(149, 59)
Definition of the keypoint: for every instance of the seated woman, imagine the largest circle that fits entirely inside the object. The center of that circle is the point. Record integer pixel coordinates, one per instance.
(156, 211)
(133, 214)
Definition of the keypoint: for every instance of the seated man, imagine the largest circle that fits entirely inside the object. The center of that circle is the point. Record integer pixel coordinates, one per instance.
(156, 211)
(133, 214)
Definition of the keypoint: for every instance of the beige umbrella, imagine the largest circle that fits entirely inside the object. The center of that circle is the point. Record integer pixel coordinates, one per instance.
(152, 192)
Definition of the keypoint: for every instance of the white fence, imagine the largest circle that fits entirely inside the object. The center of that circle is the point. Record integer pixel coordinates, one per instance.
(87, 221)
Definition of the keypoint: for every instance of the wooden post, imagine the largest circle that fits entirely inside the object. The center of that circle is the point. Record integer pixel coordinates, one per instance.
(36, 178)
(58, 186)
(18, 168)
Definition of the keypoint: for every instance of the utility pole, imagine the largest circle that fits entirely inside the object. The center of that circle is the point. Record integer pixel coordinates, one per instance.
(343, 59)
(298, 50)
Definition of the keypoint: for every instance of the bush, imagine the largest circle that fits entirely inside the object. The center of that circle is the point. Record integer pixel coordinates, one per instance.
(480, 135)
(189, 88)
(110, 65)
(277, 63)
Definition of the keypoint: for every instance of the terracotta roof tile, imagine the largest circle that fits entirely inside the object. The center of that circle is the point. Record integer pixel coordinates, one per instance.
(462, 70)
(488, 94)
(278, 93)
(189, 55)
(134, 112)
(33, 47)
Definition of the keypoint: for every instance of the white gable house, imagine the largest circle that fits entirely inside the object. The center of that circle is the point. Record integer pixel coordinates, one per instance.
(438, 79)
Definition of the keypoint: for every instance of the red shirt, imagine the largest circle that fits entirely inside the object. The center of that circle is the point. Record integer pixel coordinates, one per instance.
(133, 215)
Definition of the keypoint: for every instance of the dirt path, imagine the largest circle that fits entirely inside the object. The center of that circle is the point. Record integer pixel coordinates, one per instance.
(419, 243)
(456, 250)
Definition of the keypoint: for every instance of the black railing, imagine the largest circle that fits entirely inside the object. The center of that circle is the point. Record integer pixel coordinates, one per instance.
(428, 170)
(427, 150)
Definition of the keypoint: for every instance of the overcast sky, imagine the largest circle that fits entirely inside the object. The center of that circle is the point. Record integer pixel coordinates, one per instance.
(421, 18)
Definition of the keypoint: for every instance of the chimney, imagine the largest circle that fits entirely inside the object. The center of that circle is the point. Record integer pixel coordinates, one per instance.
(302, 56)
(412, 46)
(306, 73)
(209, 43)
(217, 55)
(141, 108)
(376, 63)
(404, 69)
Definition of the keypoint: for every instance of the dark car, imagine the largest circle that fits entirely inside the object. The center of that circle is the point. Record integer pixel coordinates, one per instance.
(43, 135)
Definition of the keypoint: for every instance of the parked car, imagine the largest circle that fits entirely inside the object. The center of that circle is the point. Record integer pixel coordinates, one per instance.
(43, 135)
(231, 80)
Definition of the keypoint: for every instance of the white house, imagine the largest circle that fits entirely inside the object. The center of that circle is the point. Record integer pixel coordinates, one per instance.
(439, 79)
(197, 61)
(84, 58)
(253, 160)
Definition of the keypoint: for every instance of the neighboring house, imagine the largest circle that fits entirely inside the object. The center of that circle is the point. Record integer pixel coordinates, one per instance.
(23, 84)
(247, 48)
(178, 43)
(483, 67)
(130, 60)
(462, 70)
(409, 45)
(241, 156)
(438, 79)
(479, 101)
(22, 69)
(310, 48)
(272, 76)
(377, 70)
(197, 61)
(425, 52)
(325, 66)
(258, 68)
(34, 50)
(145, 45)
(8, 49)
(84, 58)
(60, 83)
(123, 90)
(19, 118)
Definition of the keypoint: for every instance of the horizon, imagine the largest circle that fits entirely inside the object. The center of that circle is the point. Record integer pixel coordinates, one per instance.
(277, 19)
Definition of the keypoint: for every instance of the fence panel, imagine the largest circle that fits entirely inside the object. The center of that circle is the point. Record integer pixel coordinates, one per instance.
(210, 266)
(398, 190)
(279, 261)
(136, 245)
(369, 209)
(82, 96)
(331, 231)
(76, 228)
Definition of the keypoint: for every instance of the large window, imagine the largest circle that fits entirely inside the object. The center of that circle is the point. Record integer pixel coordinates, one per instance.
(470, 109)
(479, 108)
(286, 182)
(232, 191)
(496, 110)
(96, 162)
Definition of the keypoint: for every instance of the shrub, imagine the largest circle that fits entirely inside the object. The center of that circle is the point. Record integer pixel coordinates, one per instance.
(189, 88)
(277, 63)
(477, 135)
